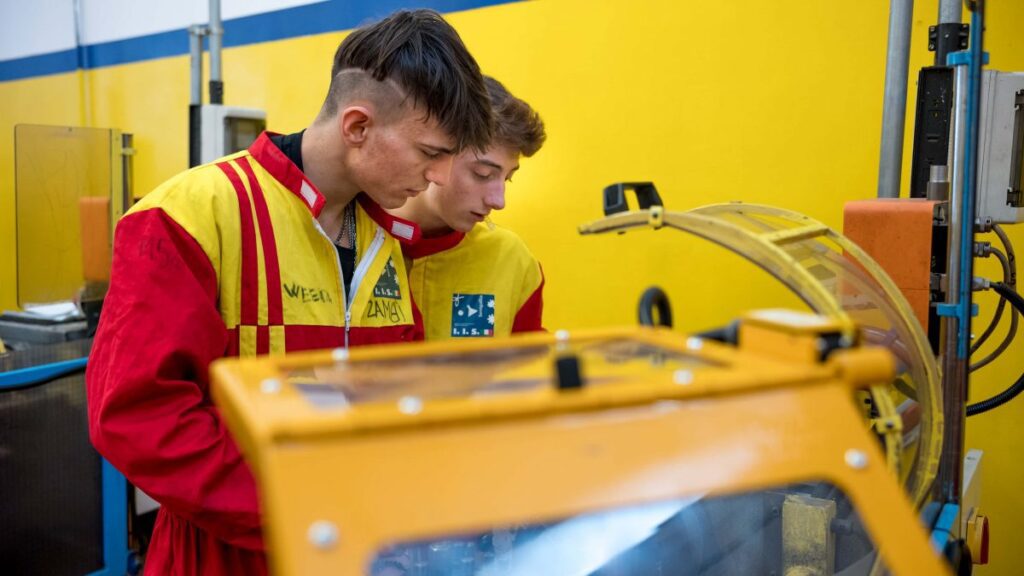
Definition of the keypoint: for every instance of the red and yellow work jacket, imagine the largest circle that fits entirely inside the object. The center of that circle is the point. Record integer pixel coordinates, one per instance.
(479, 284)
(225, 259)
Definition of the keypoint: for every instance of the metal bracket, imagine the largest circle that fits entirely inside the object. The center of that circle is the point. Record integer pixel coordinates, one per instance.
(963, 58)
(942, 530)
(958, 33)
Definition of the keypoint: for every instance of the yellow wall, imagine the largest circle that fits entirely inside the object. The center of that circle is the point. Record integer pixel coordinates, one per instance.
(774, 102)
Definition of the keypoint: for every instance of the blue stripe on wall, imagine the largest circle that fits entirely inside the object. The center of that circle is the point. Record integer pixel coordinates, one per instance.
(41, 65)
(329, 16)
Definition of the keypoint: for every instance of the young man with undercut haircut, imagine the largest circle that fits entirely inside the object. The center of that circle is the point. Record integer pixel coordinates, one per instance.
(470, 278)
(283, 247)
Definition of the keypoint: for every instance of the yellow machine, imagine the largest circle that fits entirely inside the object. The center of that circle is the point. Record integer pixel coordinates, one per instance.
(626, 452)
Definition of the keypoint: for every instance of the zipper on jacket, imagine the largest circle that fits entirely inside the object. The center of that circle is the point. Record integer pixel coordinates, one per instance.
(357, 276)
(341, 275)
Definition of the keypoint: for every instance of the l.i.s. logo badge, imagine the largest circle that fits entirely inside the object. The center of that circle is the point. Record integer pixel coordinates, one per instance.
(387, 285)
(472, 315)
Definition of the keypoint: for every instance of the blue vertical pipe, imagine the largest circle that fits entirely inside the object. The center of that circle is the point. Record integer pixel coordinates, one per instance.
(976, 61)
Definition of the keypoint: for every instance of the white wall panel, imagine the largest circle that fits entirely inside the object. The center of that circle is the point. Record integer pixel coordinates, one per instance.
(109, 20)
(36, 27)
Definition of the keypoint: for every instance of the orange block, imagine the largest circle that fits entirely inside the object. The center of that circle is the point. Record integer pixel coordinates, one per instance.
(897, 233)
(94, 214)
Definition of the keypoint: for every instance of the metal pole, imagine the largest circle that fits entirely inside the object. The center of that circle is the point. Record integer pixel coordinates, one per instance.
(954, 368)
(82, 56)
(216, 32)
(195, 50)
(195, 102)
(950, 12)
(948, 33)
(894, 105)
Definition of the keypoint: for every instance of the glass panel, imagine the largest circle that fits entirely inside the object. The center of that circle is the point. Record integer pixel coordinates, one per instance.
(804, 529)
(55, 167)
(881, 317)
(481, 372)
(865, 301)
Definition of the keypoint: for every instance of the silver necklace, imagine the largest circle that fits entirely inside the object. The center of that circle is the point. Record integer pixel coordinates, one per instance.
(348, 226)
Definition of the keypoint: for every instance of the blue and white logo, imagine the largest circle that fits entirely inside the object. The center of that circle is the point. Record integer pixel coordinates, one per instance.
(472, 315)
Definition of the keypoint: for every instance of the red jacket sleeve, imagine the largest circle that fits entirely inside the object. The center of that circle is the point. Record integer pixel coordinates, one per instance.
(150, 412)
(529, 318)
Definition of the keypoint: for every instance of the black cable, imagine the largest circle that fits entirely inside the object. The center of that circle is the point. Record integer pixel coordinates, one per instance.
(1010, 393)
(654, 308)
(1004, 262)
(1009, 264)
(1011, 256)
(1010, 280)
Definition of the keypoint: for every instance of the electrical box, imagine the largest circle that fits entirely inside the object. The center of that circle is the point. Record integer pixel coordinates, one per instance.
(1002, 147)
(228, 129)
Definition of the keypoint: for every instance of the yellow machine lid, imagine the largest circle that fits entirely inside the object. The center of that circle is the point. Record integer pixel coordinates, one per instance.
(340, 391)
(573, 453)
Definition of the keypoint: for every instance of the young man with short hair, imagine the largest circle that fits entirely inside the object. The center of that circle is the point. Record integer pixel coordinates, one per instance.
(470, 278)
(283, 247)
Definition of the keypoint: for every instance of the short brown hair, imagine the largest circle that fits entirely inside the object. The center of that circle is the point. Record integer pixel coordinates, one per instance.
(423, 54)
(516, 125)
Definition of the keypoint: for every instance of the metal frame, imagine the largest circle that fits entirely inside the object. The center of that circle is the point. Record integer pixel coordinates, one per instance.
(114, 487)
(39, 374)
(115, 522)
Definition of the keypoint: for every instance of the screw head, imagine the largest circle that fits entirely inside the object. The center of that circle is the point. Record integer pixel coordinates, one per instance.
(410, 405)
(270, 386)
(856, 459)
(323, 534)
(694, 343)
(339, 355)
(682, 377)
(562, 335)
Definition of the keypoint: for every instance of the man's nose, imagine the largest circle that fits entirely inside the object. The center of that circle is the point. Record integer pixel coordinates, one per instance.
(495, 198)
(439, 170)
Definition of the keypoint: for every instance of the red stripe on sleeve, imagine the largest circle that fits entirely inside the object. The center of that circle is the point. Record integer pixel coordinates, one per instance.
(250, 272)
(263, 339)
(275, 314)
(529, 318)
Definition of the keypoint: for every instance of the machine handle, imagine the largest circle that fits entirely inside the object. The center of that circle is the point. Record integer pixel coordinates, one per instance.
(615, 196)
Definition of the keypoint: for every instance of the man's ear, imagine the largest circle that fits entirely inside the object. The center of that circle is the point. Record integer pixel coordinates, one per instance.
(353, 122)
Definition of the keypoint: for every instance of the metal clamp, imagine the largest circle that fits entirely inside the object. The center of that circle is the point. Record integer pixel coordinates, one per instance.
(952, 310)
(963, 58)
